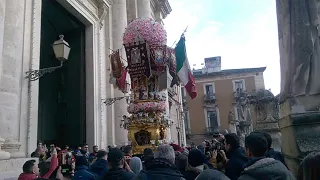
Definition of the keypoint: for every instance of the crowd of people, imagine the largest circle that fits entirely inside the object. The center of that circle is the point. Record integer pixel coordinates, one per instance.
(222, 158)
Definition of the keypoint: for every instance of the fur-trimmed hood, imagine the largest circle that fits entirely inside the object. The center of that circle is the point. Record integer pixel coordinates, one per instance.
(267, 168)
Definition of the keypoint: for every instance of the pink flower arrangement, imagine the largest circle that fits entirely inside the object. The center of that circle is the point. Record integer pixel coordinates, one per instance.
(147, 107)
(145, 29)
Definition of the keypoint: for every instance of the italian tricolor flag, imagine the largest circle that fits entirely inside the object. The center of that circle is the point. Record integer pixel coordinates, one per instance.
(183, 68)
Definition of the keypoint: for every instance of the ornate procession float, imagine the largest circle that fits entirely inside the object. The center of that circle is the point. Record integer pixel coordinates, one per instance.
(152, 68)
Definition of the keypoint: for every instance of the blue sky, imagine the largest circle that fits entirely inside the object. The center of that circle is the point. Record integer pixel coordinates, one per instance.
(243, 32)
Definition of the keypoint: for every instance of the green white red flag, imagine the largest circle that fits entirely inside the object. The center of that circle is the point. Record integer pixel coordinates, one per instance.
(183, 68)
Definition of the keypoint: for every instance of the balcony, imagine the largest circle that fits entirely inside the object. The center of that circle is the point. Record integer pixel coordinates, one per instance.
(212, 130)
(210, 98)
(239, 93)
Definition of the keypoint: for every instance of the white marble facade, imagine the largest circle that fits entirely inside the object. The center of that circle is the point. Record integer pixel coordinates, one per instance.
(20, 31)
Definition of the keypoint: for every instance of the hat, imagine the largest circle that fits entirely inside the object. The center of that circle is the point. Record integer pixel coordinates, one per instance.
(195, 158)
(115, 155)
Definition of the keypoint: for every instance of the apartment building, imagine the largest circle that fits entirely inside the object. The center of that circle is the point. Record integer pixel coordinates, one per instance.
(218, 92)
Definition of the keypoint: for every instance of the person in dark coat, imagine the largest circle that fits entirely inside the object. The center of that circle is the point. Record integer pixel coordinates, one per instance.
(235, 158)
(271, 153)
(82, 169)
(259, 166)
(162, 167)
(148, 156)
(100, 166)
(211, 174)
(310, 167)
(93, 155)
(195, 164)
(119, 169)
(181, 162)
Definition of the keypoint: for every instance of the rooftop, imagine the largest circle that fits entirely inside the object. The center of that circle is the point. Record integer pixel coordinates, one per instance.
(198, 74)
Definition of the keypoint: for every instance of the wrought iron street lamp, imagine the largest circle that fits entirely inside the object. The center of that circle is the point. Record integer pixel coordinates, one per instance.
(110, 101)
(61, 51)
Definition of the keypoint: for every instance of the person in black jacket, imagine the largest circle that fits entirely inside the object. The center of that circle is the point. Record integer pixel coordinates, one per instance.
(235, 159)
(162, 167)
(259, 166)
(119, 169)
(271, 153)
(100, 166)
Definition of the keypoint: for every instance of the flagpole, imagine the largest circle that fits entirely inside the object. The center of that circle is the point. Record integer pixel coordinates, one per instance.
(183, 32)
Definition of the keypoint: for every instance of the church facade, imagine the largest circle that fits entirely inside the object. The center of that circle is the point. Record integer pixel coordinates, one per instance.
(72, 96)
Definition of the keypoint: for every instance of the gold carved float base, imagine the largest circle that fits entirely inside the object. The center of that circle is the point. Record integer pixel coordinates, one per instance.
(145, 135)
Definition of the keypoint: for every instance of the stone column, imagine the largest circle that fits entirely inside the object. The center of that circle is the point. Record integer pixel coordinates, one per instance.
(11, 77)
(299, 47)
(132, 10)
(144, 9)
(3, 154)
(119, 23)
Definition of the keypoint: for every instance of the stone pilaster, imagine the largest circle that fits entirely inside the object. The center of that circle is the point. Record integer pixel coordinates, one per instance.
(11, 77)
(144, 8)
(132, 10)
(119, 23)
(3, 154)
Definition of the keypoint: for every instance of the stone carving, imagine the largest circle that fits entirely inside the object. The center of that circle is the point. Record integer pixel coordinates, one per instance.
(102, 13)
(267, 110)
(244, 125)
(232, 123)
(298, 26)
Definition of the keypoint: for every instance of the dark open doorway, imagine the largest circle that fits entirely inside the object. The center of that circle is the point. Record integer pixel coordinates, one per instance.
(62, 96)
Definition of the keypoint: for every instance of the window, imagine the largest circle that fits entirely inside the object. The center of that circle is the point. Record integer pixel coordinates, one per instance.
(209, 89)
(212, 119)
(239, 85)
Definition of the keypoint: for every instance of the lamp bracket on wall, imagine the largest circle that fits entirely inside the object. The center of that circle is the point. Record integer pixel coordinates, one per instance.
(34, 75)
(110, 101)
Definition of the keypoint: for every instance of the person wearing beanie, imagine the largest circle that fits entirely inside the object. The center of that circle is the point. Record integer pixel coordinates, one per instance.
(82, 169)
(195, 164)
(100, 166)
(119, 169)
(148, 156)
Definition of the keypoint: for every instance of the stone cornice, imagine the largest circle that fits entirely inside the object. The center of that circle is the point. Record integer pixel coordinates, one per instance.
(97, 8)
(163, 6)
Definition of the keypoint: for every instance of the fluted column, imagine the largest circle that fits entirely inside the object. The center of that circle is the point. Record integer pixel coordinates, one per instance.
(144, 8)
(132, 10)
(11, 76)
(119, 23)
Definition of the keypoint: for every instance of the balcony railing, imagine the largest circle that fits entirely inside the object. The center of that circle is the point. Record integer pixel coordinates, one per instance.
(239, 93)
(211, 130)
(210, 98)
